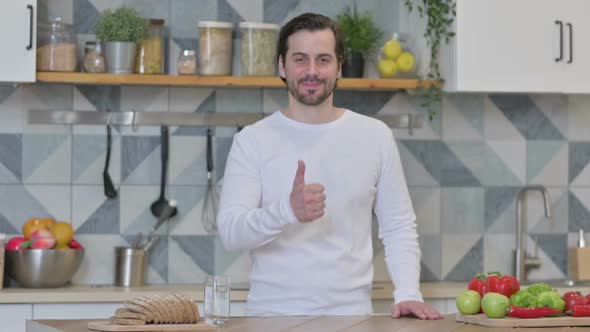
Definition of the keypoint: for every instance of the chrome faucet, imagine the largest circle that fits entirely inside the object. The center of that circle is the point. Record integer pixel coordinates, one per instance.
(524, 262)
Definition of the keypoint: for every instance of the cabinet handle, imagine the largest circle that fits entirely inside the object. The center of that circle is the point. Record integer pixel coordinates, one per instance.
(560, 40)
(571, 30)
(30, 46)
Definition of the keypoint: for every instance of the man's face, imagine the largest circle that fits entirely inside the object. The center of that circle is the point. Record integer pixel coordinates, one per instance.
(310, 66)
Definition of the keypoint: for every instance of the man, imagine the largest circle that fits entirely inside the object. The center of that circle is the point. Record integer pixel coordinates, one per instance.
(300, 187)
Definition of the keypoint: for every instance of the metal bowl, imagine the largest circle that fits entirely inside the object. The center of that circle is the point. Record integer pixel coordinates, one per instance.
(43, 268)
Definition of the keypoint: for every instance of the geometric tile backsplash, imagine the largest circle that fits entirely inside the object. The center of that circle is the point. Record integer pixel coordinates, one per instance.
(464, 168)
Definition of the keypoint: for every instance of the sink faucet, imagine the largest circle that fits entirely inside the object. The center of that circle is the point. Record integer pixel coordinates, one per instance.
(524, 262)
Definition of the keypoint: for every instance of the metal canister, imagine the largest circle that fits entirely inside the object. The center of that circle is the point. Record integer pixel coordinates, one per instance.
(129, 267)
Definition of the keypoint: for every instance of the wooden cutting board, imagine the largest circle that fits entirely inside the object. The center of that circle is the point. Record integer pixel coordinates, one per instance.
(482, 320)
(107, 326)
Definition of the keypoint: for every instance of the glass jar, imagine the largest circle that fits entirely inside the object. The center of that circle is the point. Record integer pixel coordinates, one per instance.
(397, 57)
(259, 48)
(187, 63)
(149, 58)
(56, 46)
(93, 61)
(215, 48)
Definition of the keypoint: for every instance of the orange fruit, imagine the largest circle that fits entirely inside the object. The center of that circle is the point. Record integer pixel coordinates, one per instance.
(63, 233)
(47, 221)
(32, 225)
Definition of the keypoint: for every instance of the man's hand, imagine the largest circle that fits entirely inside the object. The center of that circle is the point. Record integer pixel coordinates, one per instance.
(307, 200)
(418, 309)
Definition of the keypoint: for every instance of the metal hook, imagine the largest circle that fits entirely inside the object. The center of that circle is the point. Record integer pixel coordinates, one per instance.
(133, 123)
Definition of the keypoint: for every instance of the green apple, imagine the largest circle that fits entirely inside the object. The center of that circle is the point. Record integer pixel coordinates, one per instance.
(392, 49)
(387, 68)
(469, 302)
(495, 305)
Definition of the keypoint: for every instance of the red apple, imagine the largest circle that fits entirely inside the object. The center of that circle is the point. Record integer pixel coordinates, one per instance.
(42, 239)
(73, 244)
(17, 243)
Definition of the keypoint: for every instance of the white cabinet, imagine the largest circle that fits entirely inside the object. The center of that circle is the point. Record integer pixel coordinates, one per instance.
(519, 46)
(13, 316)
(18, 38)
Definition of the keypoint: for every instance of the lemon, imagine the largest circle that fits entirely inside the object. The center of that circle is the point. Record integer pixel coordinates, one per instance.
(387, 68)
(63, 233)
(405, 62)
(61, 247)
(392, 49)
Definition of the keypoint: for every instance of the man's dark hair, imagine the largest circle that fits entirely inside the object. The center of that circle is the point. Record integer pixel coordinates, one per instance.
(311, 22)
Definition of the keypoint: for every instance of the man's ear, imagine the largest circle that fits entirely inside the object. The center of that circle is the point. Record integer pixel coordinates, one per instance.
(282, 67)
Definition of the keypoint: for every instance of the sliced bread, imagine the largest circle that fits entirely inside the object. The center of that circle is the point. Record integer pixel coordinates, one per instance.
(138, 307)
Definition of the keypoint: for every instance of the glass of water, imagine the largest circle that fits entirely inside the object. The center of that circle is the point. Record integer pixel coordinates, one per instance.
(217, 299)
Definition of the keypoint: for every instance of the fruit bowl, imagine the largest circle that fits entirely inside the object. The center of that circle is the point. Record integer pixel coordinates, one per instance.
(43, 268)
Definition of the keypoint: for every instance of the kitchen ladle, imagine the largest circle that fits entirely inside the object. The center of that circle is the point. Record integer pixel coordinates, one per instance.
(160, 204)
(152, 237)
(109, 188)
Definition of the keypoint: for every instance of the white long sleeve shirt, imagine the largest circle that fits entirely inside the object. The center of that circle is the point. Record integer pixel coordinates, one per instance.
(323, 267)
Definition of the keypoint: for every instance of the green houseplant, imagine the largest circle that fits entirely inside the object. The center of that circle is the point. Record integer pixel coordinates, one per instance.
(361, 36)
(440, 15)
(120, 30)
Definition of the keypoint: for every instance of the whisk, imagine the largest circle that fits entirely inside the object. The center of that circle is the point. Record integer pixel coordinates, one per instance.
(211, 202)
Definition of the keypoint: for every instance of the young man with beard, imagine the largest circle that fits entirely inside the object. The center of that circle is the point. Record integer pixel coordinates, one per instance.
(300, 187)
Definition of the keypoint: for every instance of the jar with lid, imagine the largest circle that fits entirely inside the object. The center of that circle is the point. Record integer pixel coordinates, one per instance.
(187, 63)
(93, 61)
(149, 58)
(215, 48)
(259, 47)
(56, 46)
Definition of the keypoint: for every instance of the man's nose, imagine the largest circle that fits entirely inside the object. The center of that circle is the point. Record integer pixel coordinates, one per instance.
(312, 68)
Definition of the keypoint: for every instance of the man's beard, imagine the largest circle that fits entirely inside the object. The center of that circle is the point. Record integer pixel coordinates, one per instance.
(311, 99)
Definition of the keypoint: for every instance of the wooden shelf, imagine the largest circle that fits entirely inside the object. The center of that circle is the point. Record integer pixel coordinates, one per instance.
(217, 81)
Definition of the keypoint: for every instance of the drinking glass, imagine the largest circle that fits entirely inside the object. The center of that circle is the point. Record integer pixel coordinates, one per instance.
(217, 299)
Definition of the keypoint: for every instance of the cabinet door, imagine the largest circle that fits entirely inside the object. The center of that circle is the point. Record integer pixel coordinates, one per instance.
(17, 34)
(505, 45)
(13, 317)
(576, 64)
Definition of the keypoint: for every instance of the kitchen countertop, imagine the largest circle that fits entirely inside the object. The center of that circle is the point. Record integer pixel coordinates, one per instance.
(107, 293)
(374, 323)
(97, 294)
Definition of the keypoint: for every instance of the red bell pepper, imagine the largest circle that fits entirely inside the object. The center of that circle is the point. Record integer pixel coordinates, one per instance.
(493, 282)
(478, 284)
(580, 310)
(521, 312)
(508, 285)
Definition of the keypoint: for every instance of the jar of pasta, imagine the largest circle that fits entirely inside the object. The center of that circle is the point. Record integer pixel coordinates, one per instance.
(215, 48)
(149, 58)
(56, 46)
(259, 48)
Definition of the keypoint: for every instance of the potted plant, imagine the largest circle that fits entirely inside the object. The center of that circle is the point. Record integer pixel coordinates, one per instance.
(120, 30)
(361, 35)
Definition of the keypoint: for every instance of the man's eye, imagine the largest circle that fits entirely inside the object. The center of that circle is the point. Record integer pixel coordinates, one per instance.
(298, 59)
(325, 60)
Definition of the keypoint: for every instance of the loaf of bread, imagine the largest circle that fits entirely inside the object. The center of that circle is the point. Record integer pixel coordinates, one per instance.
(161, 308)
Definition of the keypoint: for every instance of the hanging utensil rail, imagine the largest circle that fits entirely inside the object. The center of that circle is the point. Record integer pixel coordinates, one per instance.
(206, 119)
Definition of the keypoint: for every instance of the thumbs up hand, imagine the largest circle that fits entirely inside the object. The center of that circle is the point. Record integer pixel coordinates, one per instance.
(307, 200)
